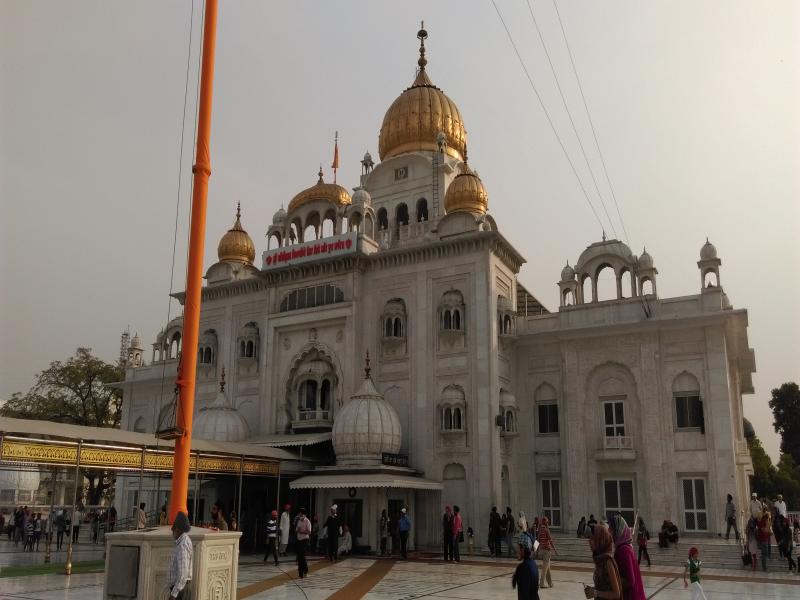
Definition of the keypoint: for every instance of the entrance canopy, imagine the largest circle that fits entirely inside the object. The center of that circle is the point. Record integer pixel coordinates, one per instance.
(365, 480)
(28, 443)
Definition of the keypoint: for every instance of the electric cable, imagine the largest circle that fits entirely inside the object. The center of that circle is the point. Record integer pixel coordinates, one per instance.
(591, 123)
(160, 418)
(547, 114)
(569, 114)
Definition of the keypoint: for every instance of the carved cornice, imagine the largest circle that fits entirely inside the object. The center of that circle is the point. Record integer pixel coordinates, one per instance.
(450, 247)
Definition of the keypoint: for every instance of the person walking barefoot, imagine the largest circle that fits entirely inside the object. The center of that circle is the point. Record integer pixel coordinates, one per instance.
(693, 568)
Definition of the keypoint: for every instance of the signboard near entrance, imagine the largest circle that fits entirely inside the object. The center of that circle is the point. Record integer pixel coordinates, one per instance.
(296, 254)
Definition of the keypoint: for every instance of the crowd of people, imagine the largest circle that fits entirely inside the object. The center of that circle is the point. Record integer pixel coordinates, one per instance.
(30, 528)
(616, 575)
(768, 520)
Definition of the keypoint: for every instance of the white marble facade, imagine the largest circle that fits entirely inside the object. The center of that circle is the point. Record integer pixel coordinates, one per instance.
(630, 401)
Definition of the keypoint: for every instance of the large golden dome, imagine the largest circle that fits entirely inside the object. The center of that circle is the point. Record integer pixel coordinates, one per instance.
(466, 193)
(236, 245)
(415, 119)
(330, 192)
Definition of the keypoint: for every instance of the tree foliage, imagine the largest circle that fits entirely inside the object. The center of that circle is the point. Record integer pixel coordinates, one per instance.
(770, 480)
(785, 405)
(75, 392)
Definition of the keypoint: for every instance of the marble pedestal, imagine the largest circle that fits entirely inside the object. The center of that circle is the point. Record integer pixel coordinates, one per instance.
(137, 564)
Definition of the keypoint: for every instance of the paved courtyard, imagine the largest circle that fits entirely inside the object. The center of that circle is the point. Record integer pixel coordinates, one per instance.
(370, 579)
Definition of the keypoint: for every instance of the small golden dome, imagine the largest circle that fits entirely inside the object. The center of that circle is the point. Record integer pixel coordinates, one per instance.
(236, 245)
(330, 192)
(417, 117)
(466, 193)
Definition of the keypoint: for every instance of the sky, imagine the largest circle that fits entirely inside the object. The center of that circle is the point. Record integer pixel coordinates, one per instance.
(696, 106)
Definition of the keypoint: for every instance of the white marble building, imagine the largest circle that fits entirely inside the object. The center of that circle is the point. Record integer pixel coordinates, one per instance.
(627, 402)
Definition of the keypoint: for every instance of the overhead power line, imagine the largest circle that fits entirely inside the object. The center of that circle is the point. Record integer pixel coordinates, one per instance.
(569, 114)
(547, 114)
(591, 123)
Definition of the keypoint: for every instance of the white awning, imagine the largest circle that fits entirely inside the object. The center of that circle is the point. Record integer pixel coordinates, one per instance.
(367, 480)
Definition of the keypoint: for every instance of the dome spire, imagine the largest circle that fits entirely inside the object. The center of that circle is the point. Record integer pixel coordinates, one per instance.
(222, 381)
(367, 368)
(422, 35)
(319, 174)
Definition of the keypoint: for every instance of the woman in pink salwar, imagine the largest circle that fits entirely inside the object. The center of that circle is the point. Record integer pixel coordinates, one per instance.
(632, 586)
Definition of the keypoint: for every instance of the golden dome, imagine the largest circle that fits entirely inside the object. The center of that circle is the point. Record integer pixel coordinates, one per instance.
(330, 192)
(466, 193)
(415, 119)
(236, 245)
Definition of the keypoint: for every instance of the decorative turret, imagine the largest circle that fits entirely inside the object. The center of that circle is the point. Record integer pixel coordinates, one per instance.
(236, 245)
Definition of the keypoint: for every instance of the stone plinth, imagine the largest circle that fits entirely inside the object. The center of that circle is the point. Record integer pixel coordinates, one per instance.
(137, 564)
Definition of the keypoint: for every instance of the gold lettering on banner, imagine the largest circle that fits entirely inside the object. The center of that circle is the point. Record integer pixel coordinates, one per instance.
(18, 451)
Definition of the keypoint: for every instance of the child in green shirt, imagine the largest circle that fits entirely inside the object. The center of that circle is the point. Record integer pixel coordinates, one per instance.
(692, 566)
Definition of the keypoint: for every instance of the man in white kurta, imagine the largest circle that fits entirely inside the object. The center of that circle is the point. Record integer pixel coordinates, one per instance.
(285, 527)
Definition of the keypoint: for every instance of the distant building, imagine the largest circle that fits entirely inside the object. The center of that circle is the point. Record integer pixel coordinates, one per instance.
(478, 395)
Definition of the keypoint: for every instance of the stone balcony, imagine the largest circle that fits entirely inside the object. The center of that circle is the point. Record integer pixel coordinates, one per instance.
(313, 419)
(617, 447)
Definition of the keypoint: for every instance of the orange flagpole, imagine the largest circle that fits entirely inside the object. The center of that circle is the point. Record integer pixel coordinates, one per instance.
(194, 272)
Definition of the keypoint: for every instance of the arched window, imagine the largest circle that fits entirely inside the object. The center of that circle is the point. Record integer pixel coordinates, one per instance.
(569, 298)
(383, 219)
(688, 403)
(511, 426)
(325, 395)
(175, 345)
(310, 297)
(139, 426)
(452, 409)
(625, 284)
(447, 421)
(207, 356)
(422, 210)
(401, 214)
(647, 286)
(586, 289)
(710, 279)
(546, 409)
(447, 320)
(307, 395)
(398, 327)
(457, 320)
(606, 283)
(242, 349)
(507, 324)
(388, 329)
(249, 349)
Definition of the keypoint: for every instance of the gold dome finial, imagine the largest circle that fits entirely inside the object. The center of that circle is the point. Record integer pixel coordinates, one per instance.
(320, 174)
(422, 35)
(236, 245)
(417, 117)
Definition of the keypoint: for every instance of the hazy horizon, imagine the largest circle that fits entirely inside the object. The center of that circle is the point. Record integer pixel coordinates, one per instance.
(695, 105)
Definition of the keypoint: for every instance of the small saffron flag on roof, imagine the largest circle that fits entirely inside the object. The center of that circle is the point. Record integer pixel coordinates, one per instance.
(335, 164)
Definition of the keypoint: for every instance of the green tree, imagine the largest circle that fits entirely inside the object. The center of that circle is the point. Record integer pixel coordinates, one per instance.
(785, 405)
(763, 469)
(74, 391)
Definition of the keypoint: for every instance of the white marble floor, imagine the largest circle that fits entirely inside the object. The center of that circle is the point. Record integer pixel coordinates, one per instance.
(423, 580)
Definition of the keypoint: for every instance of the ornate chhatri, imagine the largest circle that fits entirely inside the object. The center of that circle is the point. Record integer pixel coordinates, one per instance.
(327, 192)
(236, 245)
